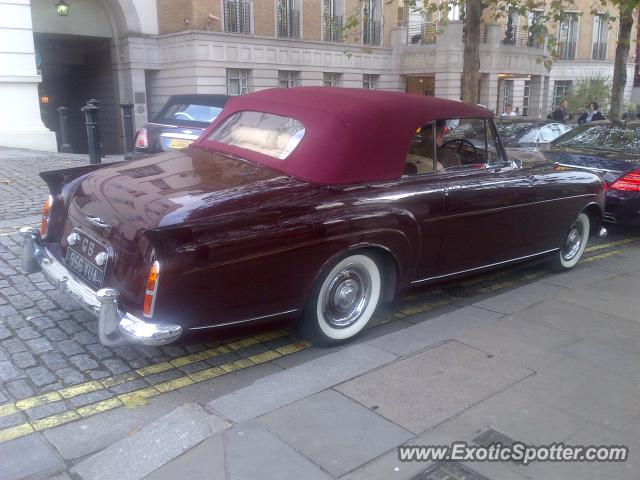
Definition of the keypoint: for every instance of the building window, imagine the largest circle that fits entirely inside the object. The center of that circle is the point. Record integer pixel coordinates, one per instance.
(237, 81)
(330, 79)
(525, 98)
(237, 16)
(288, 18)
(561, 89)
(372, 24)
(369, 81)
(568, 37)
(287, 79)
(332, 20)
(507, 94)
(600, 37)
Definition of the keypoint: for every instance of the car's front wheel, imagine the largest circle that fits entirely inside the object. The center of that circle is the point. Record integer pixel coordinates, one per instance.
(574, 244)
(343, 300)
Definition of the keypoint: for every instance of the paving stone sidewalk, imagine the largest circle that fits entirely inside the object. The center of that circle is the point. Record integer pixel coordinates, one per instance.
(540, 364)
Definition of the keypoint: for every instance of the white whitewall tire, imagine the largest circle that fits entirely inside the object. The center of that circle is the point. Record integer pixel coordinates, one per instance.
(574, 244)
(344, 300)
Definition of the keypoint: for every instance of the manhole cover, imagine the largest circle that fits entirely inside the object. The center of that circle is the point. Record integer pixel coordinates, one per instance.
(449, 471)
(490, 437)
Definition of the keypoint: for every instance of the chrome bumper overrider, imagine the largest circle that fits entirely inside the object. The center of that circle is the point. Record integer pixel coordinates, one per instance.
(114, 326)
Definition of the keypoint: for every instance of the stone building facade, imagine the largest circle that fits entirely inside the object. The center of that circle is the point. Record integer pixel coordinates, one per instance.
(146, 50)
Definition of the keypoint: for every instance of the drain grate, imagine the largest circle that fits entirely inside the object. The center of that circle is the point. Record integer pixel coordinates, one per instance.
(490, 437)
(449, 471)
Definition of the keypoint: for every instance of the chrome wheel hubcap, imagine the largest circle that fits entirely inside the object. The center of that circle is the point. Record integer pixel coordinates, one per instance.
(573, 242)
(347, 296)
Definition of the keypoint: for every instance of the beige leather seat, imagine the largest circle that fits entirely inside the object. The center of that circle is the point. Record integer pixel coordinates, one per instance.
(423, 164)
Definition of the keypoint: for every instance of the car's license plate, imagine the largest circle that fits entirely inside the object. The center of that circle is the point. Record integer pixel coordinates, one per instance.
(178, 143)
(80, 259)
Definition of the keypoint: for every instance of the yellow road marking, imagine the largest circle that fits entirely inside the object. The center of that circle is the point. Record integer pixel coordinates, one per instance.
(15, 432)
(81, 389)
(174, 384)
(601, 256)
(37, 401)
(157, 368)
(103, 406)
(610, 244)
(55, 420)
(206, 374)
(106, 383)
(292, 348)
(138, 397)
(265, 356)
(7, 409)
(119, 379)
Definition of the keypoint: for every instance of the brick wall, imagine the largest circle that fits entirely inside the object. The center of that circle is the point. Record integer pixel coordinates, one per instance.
(264, 17)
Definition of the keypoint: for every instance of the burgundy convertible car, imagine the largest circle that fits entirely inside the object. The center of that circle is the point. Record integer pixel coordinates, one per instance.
(307, 204)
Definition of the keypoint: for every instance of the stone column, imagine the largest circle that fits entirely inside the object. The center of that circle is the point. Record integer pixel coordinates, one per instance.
(489, 91)
(448, 85)
(20, 122)
(537, 104)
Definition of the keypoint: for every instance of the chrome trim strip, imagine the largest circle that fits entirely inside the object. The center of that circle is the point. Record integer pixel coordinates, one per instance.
(591, 169)
(509, 207)
(246, 320)
(485, 266)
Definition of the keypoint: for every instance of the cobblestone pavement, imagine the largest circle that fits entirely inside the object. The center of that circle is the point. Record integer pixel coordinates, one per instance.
(22, 191)
(53, 368)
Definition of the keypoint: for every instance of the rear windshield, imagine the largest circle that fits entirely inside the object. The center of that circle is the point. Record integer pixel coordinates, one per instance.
(273, 135)
(189, 113)
(603, 137)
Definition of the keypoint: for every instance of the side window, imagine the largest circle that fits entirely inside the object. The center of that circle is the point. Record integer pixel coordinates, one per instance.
(420, 157)
(464, 142)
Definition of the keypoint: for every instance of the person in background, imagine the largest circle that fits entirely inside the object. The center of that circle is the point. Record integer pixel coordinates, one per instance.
(591, 115)
(508, 111)
(561, 114)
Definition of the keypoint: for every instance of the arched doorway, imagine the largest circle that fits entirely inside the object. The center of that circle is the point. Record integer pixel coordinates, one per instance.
(76, 56)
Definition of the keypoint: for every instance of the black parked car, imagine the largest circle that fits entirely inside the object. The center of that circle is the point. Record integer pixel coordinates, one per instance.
(613, 151)
(529, 135)
(180, 122)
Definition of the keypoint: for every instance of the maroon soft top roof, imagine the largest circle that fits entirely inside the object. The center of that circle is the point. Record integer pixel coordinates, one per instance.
(351, 135)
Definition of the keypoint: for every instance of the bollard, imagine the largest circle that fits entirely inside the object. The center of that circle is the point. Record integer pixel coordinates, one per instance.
(90, 111)
(63, 117)
(127, 116)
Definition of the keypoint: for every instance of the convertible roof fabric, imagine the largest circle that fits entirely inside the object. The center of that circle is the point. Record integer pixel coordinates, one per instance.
(351, 135)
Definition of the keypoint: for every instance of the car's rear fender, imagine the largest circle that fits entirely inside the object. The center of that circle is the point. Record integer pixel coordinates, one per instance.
(62, 183)
(275, 270)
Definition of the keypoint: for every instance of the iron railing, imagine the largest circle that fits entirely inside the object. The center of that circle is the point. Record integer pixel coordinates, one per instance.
(237, 16)
(288, 23)
(332, 29)
(372, 31)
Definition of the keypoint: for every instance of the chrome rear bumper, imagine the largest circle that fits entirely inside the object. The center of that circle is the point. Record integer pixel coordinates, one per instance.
(114, 326)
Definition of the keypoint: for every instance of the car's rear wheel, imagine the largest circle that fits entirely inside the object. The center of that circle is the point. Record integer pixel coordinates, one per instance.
(574, 244)
(343, 300)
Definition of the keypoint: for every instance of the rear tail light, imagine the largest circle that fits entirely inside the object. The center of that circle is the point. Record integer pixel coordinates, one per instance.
(46, 213)
(629, 183)
(152, 289)
(142, 140)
